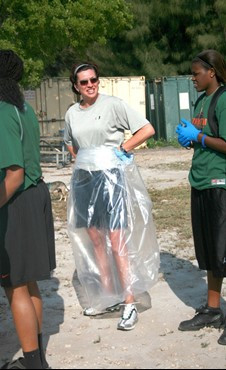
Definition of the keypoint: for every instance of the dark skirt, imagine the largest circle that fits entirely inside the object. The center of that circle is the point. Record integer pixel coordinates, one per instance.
(99, 199)
(209, 229)
(27, 246)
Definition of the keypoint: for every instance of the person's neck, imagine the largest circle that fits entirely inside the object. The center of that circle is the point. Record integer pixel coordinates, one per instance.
(86, 103)
(211, 90)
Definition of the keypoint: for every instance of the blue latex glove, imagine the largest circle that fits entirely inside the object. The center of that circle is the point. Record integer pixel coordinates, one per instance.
(124, 157)
(184, 141)
(187, 131)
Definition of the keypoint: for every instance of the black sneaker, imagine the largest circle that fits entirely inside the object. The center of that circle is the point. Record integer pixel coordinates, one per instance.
(14, 364)
(205, 317)
(19, 363)
(222, 339)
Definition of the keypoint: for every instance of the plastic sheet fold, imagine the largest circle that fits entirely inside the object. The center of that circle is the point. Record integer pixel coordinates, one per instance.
(111, 228)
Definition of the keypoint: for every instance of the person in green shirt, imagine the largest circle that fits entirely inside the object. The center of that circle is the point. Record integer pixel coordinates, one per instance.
(27, 247)
(208, 181)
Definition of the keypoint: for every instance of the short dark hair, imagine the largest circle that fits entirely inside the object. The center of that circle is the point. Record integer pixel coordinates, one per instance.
(79, 67)
(212, 59)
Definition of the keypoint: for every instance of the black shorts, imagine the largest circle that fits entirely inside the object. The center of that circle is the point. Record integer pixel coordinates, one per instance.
(209, 229)
(99, 199)
(27, 246)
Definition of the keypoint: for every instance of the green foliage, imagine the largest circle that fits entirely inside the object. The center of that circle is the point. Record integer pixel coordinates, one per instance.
(166, 35)
(153, 38)
(39, 31)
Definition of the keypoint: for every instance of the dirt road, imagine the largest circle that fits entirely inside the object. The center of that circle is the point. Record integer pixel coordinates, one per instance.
(78, 342)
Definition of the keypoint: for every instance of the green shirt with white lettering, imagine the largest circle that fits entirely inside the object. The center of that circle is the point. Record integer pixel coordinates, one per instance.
(209, 166)
(20, 142)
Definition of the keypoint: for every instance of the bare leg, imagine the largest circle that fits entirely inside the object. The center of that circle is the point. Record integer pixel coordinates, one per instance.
(99, 241)
(120, 252)
(37, 302)
(214, 290)
(25, 317)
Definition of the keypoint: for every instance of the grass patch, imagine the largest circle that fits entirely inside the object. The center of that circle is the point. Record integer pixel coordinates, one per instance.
(175, 166)
(171, 210)
(161, 143)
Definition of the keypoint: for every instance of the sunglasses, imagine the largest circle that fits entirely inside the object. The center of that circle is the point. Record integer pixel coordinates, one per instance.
(93, 80)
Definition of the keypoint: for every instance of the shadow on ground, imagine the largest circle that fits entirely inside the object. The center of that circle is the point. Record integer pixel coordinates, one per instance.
(186, 280)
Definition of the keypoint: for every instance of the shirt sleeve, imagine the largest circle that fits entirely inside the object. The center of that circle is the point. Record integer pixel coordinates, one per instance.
(11, 151)
(129, 118)
(67, 131)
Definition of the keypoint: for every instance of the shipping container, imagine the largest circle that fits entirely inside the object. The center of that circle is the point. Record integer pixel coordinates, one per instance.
(169, 99)
(50, 102)
(52, 99)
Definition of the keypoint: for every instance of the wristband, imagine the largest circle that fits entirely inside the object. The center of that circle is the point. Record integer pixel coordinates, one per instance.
(203, 141)
(122, 149)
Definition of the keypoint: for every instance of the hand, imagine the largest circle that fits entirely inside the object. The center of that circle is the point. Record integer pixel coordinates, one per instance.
(187, 131)
(124, 157)
(183, 141)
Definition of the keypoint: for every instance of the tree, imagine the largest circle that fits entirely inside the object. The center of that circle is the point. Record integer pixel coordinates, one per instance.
(39, 31)
(166, 35)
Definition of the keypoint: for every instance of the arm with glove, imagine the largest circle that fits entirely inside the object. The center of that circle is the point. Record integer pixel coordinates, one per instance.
(187, 133)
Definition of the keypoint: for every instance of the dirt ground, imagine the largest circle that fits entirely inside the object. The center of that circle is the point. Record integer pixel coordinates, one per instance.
(77, 342)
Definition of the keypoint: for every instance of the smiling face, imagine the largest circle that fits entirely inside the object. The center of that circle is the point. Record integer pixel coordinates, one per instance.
(203, 78)
(88, 85)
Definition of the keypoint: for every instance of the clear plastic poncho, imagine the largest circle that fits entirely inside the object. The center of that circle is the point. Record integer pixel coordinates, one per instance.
(111, 228)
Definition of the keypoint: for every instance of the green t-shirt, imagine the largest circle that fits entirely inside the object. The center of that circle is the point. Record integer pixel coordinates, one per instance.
(19, 142)
(209, 166)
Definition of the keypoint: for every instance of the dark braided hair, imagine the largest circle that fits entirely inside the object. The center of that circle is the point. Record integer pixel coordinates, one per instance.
(11, 72)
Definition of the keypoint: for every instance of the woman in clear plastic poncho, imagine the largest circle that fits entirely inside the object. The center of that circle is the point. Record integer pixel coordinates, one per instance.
(109, 211)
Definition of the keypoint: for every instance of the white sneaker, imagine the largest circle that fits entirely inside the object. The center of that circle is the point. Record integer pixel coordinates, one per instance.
(129, 317)
(90, 311)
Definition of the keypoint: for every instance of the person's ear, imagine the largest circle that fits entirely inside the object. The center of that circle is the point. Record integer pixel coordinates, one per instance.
(212, 73)
(76, 88)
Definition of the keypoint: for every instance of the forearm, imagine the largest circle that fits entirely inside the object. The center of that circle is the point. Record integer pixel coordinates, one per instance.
(217, 144)
(139, 137)
(13, 180)
(71, 150)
